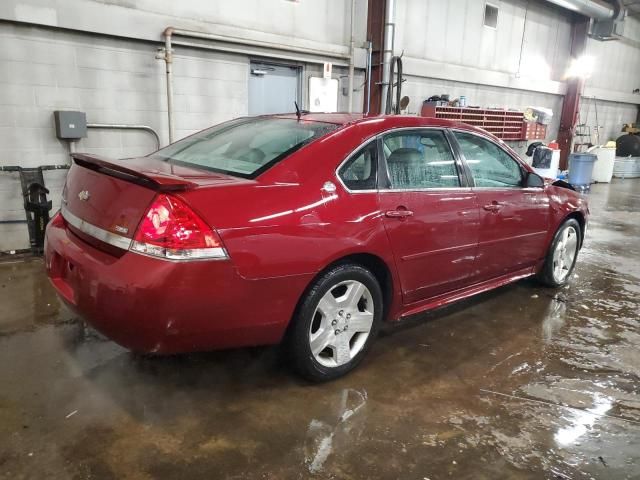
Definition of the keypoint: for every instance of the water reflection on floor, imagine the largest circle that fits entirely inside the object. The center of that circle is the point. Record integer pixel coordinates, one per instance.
(523, 382)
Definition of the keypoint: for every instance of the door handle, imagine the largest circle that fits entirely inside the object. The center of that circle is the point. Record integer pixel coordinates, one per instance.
(492, 207)
(400, 213)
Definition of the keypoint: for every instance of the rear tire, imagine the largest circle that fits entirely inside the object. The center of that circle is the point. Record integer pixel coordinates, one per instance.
(562, 255)
(335, 323)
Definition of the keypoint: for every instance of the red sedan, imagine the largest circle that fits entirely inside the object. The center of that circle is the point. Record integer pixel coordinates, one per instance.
(312, 230)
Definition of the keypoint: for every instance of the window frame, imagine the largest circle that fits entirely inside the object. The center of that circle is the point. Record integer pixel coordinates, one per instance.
(469, 172)
(484, 15)
(351, 156)
(239, 122)
(384, 179)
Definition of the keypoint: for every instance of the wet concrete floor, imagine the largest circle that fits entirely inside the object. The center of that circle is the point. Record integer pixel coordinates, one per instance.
(523, 382)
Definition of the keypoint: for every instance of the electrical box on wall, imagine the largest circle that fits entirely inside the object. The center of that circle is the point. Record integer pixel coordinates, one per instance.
(70, 125)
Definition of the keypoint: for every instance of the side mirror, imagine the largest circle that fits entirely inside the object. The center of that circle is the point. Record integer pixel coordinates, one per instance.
(533, 180)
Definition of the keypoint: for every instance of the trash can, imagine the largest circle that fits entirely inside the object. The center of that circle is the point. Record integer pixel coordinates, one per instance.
(603, 169)
(581, 168)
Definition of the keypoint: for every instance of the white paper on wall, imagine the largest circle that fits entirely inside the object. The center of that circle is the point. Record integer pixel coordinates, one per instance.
(323, 94)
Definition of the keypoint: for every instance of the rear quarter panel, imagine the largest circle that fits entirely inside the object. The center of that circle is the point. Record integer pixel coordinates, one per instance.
(286, 223)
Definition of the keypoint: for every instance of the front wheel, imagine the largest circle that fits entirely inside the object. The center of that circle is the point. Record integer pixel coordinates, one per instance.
(562, 255)
(336, 323)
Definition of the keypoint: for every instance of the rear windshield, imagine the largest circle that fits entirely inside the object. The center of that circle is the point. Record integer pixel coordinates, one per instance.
(245, 147)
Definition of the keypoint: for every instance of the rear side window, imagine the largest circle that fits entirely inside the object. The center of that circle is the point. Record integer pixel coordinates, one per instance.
(246, 147)
(420, 160)
(361, 170)
(490, 165)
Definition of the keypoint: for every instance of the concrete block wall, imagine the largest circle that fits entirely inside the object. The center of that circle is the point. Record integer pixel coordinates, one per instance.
(113, 80)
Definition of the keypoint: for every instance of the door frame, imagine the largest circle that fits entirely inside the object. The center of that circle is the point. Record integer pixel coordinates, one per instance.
(300, 71)
(384, 189)
(464, 174)
(522, 190)
(458, 152)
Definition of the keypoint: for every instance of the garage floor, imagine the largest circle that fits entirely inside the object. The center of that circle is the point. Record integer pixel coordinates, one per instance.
(522, 382)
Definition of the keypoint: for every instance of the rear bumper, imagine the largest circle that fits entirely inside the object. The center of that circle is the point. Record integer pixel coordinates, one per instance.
(153, 305)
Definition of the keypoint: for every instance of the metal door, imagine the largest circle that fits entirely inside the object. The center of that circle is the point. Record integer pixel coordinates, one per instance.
(514, 219)
(514, 224)
(273, 88)
(431, 216)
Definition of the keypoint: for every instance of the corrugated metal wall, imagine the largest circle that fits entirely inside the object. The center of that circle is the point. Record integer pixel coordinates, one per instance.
(452, 31)
(529, 48)
(522, 62)
(617, 66)
(609, 116)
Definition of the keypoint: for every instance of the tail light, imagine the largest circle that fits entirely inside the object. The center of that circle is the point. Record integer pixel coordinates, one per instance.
(172, 230)
(57, 220)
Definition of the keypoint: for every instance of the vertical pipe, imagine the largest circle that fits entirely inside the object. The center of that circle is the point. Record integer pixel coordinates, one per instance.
(389, 33)
(168, 59)
(352, 50)
(369, 59)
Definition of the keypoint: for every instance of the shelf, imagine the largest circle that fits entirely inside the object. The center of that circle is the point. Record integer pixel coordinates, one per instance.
(504, 124)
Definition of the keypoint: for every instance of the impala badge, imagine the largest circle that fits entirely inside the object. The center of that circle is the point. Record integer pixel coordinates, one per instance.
(84, 195)
(121, 229)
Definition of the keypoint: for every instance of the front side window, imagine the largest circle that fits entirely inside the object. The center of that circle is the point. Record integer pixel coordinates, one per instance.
(420, 160)
(490, 165)
(246, 147)
(360, 171)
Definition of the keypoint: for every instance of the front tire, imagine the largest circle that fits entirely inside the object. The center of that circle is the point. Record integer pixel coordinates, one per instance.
(336, 323)
(562, 255)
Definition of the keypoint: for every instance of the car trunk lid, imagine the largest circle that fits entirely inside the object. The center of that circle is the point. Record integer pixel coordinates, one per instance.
(106, 199)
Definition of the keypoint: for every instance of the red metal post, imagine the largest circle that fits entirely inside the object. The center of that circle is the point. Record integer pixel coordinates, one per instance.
(375, 34)
(571, 104)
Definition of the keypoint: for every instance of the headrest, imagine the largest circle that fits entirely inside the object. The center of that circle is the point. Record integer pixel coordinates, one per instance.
(404, 156)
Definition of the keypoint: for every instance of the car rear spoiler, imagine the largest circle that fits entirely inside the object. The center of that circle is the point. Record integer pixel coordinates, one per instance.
(161, 182)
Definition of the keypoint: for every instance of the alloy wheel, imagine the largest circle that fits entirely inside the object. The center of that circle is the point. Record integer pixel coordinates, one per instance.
(565, 254)
(341, 323)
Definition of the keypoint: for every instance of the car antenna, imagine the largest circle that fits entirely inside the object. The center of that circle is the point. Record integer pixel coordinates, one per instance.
(298, 111)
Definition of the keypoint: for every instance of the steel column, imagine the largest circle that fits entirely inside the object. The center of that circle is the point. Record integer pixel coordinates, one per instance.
(375, 34)
(571, 103)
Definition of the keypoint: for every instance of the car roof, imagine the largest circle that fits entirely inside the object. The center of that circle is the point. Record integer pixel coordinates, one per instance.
(387, 121)
(337, 118)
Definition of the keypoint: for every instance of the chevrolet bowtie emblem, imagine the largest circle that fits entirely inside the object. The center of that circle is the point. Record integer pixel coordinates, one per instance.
(84, 195)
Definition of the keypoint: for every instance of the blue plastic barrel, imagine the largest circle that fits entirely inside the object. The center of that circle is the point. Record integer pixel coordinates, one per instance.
(581, 168)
